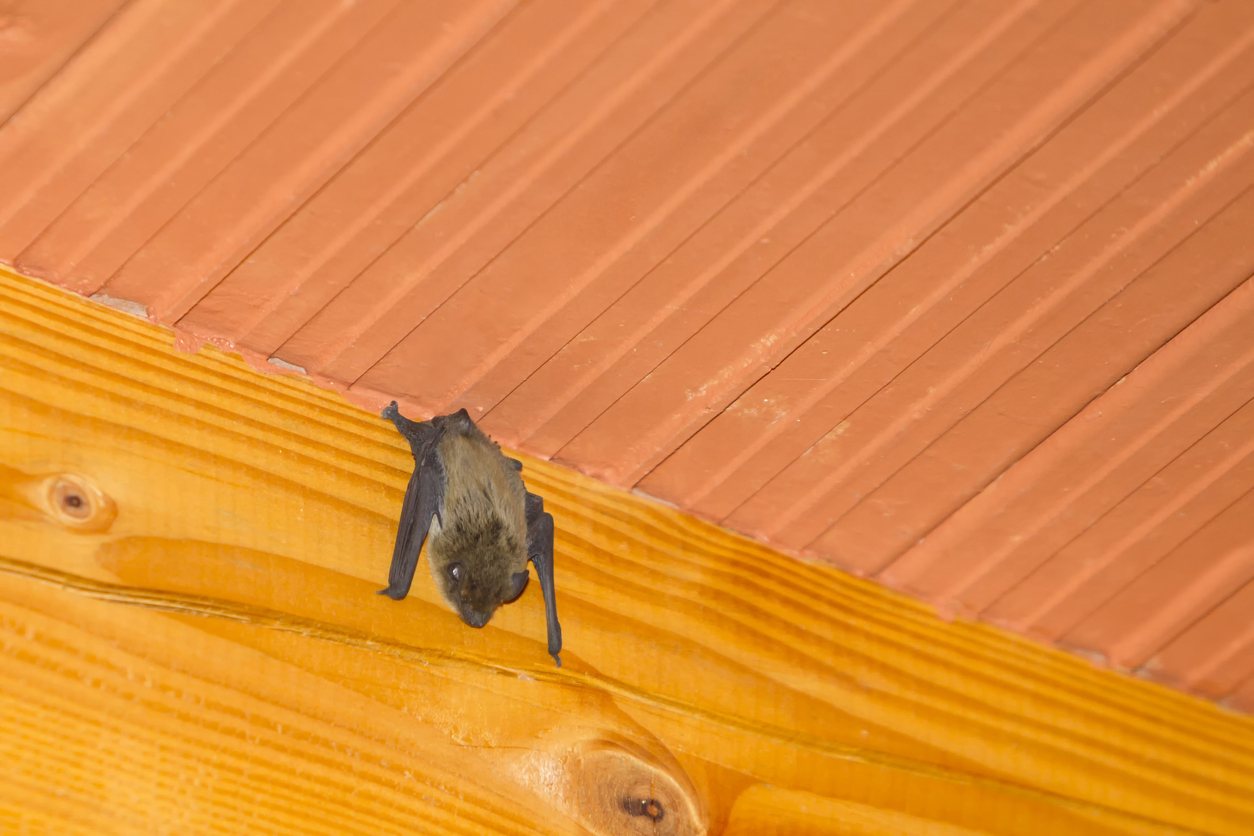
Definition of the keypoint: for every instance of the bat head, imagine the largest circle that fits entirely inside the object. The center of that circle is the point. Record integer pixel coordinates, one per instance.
(478, 564)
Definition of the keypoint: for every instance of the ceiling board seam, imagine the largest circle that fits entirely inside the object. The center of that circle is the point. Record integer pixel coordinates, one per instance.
(196, 285)
(1227, 702)
(1174, 548)
(523, 126)
(945, 120)
(1219, 656)
(571, 392)
(1147, 223)
(102, 230)
(700, 75)
(623, 92)
(70, 59)
(965, 584)
(1230, 703)
(1048, 693)
(250, 145)
(132, 92)
(348, 54)
(774, 430)
(756, 130)
(1139, 532)
(333, 179)
(1203, 524)
(1150, 636)
(969, 271)
(870, 610)
(675, 434)
(970, 578)
(1130, 138)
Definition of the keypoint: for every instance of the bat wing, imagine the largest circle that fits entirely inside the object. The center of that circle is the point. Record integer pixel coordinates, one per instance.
(423, 498)
(540, 553)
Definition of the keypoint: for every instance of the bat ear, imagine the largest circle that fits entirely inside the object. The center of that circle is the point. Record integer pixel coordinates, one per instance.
(519, 582)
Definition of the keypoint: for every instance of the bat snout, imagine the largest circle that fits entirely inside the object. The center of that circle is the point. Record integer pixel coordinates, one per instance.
(473, 617)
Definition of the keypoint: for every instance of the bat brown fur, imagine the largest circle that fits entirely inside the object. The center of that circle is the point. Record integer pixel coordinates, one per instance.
(484, 525)
(484, 506)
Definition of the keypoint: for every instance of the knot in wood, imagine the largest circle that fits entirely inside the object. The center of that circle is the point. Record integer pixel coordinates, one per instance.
(623, 790)
(76, 503)
(649, 807)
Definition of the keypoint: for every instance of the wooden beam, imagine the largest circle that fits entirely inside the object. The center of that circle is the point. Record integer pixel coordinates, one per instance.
(190, 641)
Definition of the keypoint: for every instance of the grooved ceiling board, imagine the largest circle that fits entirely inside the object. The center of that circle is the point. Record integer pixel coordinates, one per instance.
(952, 293)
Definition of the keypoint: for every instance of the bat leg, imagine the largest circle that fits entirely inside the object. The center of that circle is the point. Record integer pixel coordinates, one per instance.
(419, 434)
(540, 553)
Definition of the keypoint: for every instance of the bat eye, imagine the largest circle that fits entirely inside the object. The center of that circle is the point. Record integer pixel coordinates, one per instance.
(456, 571)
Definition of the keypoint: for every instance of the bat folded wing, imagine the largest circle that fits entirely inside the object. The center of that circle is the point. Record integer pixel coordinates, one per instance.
(540, 553)
(423, 498)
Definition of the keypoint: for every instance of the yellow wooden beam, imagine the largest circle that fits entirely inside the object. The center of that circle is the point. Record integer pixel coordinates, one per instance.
(190, 641)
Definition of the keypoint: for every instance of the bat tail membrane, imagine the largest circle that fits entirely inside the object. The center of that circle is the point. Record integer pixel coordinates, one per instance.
(540, 553)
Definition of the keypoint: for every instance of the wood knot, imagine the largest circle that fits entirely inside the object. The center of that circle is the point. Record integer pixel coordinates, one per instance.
(648, 807)
(620, 789)
(76, 503)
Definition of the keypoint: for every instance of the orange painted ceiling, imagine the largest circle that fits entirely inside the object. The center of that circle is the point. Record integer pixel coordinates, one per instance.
(954, 294)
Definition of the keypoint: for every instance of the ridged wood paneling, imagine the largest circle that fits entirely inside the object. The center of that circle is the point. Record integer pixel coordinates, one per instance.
(950, 293)
(197, 647)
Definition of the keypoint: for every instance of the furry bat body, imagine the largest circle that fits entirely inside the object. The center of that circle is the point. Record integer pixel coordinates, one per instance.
(483, 523)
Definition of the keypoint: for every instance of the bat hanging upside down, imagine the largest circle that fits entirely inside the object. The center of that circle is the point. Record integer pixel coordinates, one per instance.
(484, 524)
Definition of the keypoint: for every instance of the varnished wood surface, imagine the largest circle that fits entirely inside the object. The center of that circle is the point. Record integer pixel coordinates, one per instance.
(190, 642)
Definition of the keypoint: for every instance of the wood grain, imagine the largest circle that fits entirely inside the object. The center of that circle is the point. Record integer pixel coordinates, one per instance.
(190, 642)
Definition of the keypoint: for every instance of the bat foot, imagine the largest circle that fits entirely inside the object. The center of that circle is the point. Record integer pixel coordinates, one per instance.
(395, 596)
(390, 412)
(557, 659)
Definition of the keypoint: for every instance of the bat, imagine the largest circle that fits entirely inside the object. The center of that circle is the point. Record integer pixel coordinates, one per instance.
(484, 524)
